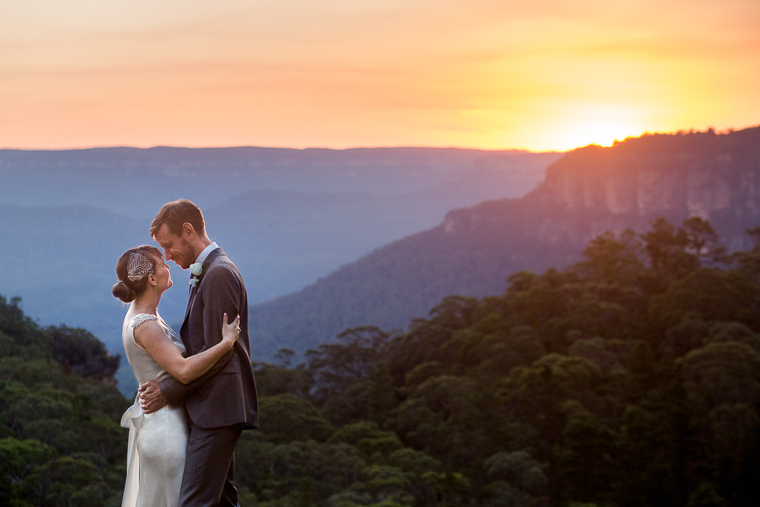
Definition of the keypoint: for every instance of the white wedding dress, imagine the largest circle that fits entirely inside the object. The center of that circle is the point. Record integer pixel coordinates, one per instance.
(158, 441)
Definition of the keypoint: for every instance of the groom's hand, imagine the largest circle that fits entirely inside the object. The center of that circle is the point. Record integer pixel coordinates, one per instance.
(151, 398)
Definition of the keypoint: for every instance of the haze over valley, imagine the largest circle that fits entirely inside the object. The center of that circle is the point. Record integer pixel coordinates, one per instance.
(287, 217)
(332, 239)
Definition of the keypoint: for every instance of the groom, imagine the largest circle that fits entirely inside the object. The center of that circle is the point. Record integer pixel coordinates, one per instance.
(222, 402)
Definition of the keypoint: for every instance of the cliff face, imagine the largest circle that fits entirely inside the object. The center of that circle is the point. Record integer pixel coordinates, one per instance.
(713, 176)
(587, 192)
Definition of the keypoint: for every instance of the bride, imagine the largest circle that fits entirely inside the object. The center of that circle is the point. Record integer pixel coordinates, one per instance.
(157, 441)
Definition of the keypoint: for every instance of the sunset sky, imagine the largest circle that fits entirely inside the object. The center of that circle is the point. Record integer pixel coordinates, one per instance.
(494, 74)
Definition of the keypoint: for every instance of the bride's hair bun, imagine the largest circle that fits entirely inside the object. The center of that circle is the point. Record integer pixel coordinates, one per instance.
(122, 291)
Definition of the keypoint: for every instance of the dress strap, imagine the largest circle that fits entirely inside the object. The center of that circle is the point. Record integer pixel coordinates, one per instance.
(140, 318)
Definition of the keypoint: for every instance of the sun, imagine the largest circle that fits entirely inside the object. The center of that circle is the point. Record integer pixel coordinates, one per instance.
(594, 124)
(603, 133)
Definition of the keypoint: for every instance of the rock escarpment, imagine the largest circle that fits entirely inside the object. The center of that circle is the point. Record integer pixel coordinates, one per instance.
(712, 176)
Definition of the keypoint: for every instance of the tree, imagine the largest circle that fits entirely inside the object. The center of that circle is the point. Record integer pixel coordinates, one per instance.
(520, 470)
(613, 259)
(290, 418)
(368, 438)
(449, 418)
(722, 384)
(584, 457)
(709, 294)
(17, 460)
(83, 353)
(702, 240)
(336, 366)
(668, 250)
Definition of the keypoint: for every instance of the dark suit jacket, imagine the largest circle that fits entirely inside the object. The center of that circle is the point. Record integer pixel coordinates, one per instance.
(226, 394)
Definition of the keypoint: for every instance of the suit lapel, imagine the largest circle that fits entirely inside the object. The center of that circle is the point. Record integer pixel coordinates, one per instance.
(190, 298)
(194, 290)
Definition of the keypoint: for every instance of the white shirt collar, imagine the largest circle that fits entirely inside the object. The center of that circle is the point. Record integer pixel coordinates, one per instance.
(202, 257)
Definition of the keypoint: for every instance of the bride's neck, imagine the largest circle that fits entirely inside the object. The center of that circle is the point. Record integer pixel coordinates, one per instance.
(147, 302)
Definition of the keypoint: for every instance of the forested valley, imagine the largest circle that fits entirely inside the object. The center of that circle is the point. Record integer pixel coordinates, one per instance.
(60, 439)
(630, 378)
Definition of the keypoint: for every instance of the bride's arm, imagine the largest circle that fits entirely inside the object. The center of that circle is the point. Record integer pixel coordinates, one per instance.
(152, 338)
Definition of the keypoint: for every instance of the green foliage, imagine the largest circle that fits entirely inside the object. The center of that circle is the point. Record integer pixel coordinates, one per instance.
(282, 378)
(368, 439)
(518, 469)
(60, 441)
(290, 418)
(79, 350)
(628, 379)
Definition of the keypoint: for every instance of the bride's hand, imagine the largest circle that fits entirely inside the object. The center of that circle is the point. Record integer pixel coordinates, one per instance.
(231, 331)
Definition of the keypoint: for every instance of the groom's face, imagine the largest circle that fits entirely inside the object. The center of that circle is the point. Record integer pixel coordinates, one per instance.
(176, 248)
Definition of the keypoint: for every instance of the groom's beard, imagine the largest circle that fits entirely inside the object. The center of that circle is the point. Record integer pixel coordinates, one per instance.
(185, 256)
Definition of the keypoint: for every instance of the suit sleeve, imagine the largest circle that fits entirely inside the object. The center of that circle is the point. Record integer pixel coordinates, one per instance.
(221, 293)
(175, 391)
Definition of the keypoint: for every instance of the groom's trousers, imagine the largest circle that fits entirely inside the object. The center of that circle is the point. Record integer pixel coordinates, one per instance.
(209, 477)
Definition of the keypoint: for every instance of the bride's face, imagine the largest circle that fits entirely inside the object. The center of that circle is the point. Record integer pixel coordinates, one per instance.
(163, 275)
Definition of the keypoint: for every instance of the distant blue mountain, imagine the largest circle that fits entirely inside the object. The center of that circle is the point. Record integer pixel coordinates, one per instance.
(135, 182)
(287, 217)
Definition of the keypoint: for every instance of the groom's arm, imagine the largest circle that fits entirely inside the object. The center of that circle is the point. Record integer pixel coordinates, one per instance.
(175, 391)
(156, 395)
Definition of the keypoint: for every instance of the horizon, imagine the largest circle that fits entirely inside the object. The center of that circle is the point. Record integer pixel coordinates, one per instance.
(411, 147)
(472, 75)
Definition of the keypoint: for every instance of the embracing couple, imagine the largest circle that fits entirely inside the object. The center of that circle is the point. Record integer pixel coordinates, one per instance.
(197, 390)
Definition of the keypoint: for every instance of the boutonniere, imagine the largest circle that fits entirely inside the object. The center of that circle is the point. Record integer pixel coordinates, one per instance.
(197, 270)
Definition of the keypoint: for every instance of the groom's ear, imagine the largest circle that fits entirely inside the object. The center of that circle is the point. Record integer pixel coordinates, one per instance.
(188, 231)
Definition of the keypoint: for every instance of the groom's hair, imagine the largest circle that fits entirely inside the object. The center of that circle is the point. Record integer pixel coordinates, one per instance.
(176, 213)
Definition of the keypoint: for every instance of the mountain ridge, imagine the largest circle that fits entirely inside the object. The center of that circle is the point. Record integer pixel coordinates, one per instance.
(473, 251)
